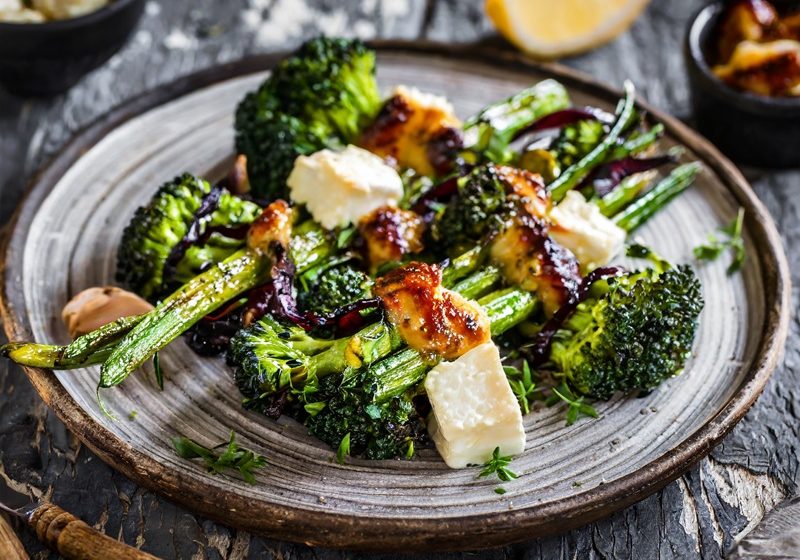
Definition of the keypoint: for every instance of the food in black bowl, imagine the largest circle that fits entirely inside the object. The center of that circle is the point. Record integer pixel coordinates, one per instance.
(743, 60)
(44, 56)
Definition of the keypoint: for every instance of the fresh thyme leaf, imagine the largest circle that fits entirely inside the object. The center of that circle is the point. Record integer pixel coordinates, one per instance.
(575, 405)
(345, 237)
(500, 490)
(232, 458)
(714, 247)
(498, 466)
(522, 385)
(344, 449)
(159, 373)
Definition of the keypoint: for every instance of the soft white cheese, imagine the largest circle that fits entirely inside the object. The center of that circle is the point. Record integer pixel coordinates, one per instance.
(579, 226)
(474, 409)
(340, 187)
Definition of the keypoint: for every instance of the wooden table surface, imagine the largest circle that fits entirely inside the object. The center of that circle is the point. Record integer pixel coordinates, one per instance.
(700, 515)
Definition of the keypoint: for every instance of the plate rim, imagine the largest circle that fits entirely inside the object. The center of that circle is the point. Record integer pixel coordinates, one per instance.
(331, 529)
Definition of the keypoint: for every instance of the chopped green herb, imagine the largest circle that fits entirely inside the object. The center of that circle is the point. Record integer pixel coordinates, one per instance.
(132, 415)
(344, 449)
(733, 241)
(159, 373)
(232, 458)
(522, 384)
(497, 465)
(410, 449)
(575, 405)
(500, 490)
(345, 237)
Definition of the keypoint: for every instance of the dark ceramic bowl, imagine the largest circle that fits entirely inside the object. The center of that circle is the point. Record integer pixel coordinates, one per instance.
(752, 129)
(49, 58)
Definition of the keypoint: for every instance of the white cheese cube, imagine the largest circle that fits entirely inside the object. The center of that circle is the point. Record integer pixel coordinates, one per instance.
(579, 226)
(340, 187)
(474, 409)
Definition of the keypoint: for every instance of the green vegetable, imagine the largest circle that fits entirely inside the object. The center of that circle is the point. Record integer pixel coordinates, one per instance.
(332, 287)
(656, 198)
(202, 295)
(493, 129)
(633, 332)
(233, 458)
(498, 466)
(575, 141)
(159, 226)
(714, 247)
(321, 96)
(480, 205)
(571, 176)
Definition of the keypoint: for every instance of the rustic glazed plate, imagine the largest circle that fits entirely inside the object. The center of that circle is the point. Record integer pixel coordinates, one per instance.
(65, 238)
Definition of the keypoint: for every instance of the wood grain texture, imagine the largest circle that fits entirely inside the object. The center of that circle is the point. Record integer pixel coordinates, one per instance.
(700, 515)
(10, 546)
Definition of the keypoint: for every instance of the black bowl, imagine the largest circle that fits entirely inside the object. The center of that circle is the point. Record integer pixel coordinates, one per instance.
(750, 128)
(49, 58)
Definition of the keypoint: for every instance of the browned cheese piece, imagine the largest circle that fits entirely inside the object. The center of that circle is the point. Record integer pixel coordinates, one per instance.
(530, 259)
(743, 20)
(527, 188)
(274, 225)
(390, 233)
(94, 307)
(435, 321)
(417, 131)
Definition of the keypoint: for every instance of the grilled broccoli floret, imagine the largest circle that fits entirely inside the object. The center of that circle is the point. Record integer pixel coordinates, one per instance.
(633, 332)
(332, 288)
(475, 209)
(320, 97)
(377, 430)
(268, 351)
(158, 227)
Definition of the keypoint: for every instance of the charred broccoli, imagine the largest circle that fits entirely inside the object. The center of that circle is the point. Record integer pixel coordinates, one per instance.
(476, 209)
(266, 350)
(160, 226)
(320, 97)
(377, 430)
(332, 288)
(633, 332)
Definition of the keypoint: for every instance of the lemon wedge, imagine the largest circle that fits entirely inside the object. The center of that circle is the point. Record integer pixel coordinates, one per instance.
(554, 28)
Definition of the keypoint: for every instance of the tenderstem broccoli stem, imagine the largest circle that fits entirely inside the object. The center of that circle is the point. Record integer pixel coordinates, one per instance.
(637, 144)
(51, 356)
(89, 349)
(656, 198)
(571, 176)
